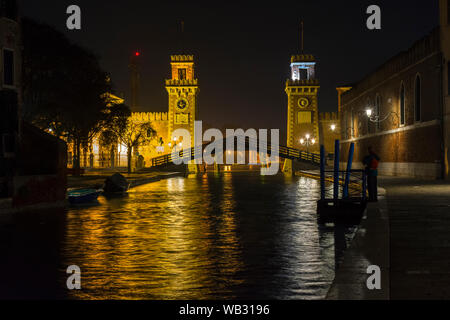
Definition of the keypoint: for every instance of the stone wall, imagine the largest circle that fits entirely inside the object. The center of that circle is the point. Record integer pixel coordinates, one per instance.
(160, 124)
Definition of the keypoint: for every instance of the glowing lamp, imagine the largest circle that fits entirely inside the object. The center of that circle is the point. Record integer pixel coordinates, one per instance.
(302, 141)
(333, 127)
(137, 53)
(369, 112)
(307, 137)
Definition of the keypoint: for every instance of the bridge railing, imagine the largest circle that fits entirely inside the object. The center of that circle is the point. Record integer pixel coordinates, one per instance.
(263, 147)
(357, 183)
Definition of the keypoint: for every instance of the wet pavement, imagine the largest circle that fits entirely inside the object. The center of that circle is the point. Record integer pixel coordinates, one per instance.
(408, 234)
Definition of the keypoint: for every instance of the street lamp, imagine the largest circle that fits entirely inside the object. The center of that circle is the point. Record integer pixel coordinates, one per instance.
(307, 141)
(377, 118)
(333, 127)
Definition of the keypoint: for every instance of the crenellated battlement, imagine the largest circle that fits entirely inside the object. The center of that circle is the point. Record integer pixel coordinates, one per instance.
(150, 116)
(182, 58)
(328, 116)
(301, 83)
(303, 58)
(181, 83)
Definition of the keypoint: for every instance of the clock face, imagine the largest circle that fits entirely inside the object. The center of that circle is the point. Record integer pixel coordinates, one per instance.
(303, 102)
(182, 104)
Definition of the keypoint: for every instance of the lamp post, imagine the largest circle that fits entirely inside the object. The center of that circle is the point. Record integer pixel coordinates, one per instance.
(308, 141)
(377, 118)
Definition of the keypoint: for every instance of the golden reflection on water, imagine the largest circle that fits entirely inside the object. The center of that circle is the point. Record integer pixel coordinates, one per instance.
(170, 237)
(192, 239)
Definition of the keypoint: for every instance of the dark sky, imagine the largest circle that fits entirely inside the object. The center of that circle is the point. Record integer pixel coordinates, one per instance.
(242, 49)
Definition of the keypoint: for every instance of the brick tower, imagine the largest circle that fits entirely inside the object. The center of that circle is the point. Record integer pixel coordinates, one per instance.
(183, 91)
(303, 116)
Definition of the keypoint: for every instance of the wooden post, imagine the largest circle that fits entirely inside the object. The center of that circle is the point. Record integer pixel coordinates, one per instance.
(349, 168)
(336, 170)
(322, 172)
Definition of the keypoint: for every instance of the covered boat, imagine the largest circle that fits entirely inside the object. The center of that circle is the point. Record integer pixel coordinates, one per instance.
(117, 183)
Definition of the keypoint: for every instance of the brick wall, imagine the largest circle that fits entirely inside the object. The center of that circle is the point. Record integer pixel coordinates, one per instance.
(409, 148)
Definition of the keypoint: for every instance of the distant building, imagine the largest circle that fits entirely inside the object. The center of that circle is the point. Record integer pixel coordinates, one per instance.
(408, 99)
(182, 89)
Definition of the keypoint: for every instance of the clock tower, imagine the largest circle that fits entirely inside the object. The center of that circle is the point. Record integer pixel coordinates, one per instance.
(183, 90)
(303, 116)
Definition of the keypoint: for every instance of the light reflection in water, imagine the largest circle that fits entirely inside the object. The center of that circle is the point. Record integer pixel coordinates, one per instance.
(233, 236)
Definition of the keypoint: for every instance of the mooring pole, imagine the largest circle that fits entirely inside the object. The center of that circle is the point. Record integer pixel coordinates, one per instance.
(336, 170)
(322, 172)
(364, 186)
(349, 168)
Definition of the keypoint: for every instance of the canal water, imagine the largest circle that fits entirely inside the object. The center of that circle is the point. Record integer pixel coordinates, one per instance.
(230, 236)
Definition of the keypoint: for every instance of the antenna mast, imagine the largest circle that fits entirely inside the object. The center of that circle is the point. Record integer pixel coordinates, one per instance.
(302, 32)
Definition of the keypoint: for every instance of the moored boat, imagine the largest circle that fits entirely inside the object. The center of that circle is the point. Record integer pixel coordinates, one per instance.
(116, 184)
(82, 196)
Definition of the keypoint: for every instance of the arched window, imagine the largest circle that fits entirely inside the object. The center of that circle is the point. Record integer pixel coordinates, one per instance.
(378, 110)
(418, 99)
(402, 105)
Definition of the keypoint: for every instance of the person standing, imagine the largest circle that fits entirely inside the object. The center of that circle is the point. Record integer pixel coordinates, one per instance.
(371, 162)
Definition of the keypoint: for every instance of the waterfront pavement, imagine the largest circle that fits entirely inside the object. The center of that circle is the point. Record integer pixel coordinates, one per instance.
(407, 233)
(94, 179)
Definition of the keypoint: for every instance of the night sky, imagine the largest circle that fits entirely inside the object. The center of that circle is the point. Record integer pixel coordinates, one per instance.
(242, 49)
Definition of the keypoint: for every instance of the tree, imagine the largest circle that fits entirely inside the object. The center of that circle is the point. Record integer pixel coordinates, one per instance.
(126, 131)
(63, 86)
(134, 136)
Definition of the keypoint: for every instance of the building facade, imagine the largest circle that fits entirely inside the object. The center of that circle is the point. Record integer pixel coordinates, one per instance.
(32, 162)
(444, 22)
(10, 93)
(398, 110)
